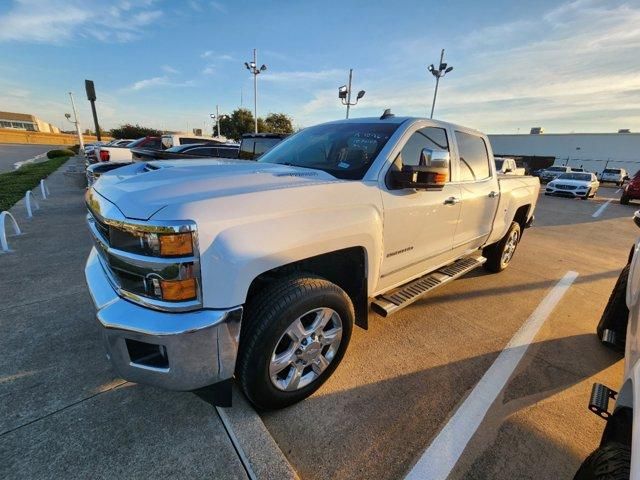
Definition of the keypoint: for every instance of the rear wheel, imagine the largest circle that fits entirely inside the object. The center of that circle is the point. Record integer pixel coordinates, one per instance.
(294, 336)
(499, 255)
(624, 199)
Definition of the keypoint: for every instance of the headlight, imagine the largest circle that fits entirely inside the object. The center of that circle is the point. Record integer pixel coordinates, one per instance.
(156, 264)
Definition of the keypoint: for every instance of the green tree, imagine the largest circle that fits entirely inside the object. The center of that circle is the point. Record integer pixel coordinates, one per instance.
(134, 131)
(239, 123)
(276, 123)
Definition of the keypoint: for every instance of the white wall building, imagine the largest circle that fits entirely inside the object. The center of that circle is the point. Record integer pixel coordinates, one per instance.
(592, 151)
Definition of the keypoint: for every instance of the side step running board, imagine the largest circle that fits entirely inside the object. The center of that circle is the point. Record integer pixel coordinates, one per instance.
(400, 297)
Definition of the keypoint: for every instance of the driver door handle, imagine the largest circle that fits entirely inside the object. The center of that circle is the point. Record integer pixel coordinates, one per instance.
(452, 201)
(493, 194)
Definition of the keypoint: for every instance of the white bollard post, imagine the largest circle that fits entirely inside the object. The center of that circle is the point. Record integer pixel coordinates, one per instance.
(3, 234)
(44, 189)
(27, 200)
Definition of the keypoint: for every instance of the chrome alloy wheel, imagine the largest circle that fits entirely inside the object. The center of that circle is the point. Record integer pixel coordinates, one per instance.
(305, 349)
(510, 247)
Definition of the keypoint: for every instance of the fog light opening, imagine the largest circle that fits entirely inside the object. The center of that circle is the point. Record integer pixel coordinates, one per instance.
(147, 354)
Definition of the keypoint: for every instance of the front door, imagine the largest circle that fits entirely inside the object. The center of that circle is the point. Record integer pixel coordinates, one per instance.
(419, 225)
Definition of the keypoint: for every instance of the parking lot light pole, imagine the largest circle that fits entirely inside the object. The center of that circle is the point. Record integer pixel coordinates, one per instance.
(76, 122)
(439, 72)
(344, 93)
(216, 117)
(255, 71)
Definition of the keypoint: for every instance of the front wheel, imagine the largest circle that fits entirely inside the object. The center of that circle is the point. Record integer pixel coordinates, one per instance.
(587, 195)
(624, 200)
(294, 335)
(499, 255)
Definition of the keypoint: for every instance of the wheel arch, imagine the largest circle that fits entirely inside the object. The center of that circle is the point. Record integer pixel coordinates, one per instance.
(347, 268)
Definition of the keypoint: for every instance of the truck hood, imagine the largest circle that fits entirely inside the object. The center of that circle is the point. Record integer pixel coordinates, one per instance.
(142, 189)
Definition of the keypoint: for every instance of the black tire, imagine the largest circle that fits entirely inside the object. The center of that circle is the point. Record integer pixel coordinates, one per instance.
(624, 200)
(268, 315)
(616, 314)
(609, 462)
(494, 252)
(587, 195)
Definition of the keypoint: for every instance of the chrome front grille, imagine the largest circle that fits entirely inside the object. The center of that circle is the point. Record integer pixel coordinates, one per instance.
(565, 187)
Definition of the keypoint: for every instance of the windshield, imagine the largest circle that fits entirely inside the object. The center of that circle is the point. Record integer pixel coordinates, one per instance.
(344, 150)
(576, 176)
(499, 164)
(611, 170)
(181, 148)
(557, 169)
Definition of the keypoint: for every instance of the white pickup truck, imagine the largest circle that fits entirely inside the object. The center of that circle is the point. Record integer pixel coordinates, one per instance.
(207, 269)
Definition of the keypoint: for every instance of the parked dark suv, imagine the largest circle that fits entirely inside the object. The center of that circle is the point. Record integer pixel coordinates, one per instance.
(253, 145)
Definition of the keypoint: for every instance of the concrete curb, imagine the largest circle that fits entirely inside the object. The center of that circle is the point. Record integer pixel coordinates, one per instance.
(253, 441)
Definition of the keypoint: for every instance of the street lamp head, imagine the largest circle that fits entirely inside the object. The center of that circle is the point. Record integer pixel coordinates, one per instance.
(252, 64)
(247, 65)
(342, 92)
(67, 115)
(263, 68)
(443, 66)
(430, 68)
(360, 94)
(212, 115)
(448, 70)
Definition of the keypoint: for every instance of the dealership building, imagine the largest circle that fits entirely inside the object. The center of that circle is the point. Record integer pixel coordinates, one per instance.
(25, 121)
(592, 151)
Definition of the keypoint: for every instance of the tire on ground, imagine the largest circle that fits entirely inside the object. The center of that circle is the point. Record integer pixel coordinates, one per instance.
(616, 313)
(268, 315)
(494, 252)
(609, 462)
(624, 200)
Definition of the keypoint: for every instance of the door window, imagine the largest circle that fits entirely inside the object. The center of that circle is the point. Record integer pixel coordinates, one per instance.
(474, 159)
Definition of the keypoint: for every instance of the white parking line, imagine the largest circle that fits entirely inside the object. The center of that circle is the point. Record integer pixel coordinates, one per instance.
(618, 190)
(602, 208)
(442, 455)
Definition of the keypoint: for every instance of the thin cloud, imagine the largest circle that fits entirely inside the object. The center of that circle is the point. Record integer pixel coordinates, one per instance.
(59, 21)
(163, 81)
(298, 76)
(219, 7)
(169, 69)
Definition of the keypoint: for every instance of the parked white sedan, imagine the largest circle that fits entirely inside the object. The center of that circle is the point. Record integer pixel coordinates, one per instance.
(583, 185)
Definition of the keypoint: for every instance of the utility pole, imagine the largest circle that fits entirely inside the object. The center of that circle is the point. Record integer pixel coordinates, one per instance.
(255, 71)
(216, 117)
(344, 93)
(439, 72)
(77, 123)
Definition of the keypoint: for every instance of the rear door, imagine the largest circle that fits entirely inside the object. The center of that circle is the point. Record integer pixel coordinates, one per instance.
(479, 190)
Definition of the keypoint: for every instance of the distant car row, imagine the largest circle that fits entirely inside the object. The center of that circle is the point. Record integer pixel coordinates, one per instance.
(105, 158)
(612, 175)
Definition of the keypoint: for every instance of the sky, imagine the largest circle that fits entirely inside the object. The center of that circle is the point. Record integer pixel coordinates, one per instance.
(570, 66)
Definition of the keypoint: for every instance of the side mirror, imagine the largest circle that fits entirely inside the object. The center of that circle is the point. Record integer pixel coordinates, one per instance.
(431, 174)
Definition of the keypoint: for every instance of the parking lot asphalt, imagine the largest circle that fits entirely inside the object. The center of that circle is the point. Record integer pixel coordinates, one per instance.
(11, 153)
(64, 414)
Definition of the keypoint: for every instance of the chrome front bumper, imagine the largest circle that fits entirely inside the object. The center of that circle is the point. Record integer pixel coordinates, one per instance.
(177, 351)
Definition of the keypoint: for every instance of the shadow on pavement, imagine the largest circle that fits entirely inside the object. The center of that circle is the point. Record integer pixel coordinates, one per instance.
(378, 428)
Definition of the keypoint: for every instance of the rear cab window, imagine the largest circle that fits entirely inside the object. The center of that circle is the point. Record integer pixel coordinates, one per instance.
(167, 141)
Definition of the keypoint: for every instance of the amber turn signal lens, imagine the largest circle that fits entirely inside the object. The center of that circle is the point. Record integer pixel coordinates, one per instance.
(440, 178)
(178, 289)
(179, 244)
